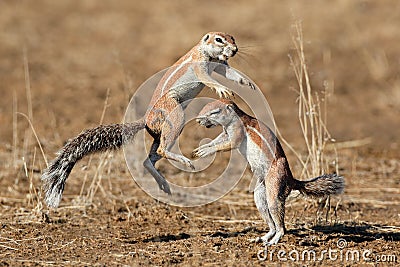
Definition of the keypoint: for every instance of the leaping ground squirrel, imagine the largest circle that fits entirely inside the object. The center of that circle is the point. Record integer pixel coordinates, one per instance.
(259, 145)
(164, 118)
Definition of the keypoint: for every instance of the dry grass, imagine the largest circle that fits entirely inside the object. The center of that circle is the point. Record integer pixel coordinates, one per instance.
(15, 129)
(312, 117)
(34, 206)
(312, 114)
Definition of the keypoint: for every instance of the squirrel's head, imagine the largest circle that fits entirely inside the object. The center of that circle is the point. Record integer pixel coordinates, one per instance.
(219, 112)
(218, 45)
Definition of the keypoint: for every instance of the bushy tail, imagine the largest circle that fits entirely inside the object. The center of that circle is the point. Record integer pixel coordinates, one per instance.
(327, 184)
(101, 138)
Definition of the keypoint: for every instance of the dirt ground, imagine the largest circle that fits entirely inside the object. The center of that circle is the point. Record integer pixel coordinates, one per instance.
(61, 61)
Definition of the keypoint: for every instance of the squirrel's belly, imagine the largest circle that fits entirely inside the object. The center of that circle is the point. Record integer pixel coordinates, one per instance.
(255, 156)
(186, 88)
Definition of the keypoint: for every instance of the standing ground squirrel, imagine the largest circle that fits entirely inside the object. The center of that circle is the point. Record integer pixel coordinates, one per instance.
(164, 118)
(259, 145)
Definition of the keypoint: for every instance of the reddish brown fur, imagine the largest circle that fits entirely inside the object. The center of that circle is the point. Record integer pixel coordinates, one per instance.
(274, 183)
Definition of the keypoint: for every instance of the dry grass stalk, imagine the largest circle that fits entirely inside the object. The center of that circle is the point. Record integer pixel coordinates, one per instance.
(34, 195)
(27, 85)
(15, 129)
(97, 178)
(34, 198)
(36, 136)
(312, 115)
(349, 144)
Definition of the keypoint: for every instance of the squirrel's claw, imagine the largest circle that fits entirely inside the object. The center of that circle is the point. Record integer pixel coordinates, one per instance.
(244, 81)
(165, 187)
(202, 152)
(224, 92)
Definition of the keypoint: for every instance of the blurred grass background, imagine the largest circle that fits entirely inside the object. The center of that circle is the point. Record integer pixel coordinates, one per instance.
(78, 49)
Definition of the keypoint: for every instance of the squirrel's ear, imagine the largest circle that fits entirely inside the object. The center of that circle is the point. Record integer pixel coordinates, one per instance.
(206, 37)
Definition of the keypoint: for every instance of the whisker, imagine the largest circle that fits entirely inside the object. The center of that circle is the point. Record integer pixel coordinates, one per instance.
(250, 51)
(253, 45)
(246, 50)
(242, 58)
(246, 53)
(249, 58)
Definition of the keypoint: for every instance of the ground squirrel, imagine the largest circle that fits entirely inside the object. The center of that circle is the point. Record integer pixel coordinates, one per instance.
(267, 160)
(164, 118)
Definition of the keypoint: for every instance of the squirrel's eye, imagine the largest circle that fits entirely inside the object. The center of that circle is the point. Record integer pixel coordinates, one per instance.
(218, 40)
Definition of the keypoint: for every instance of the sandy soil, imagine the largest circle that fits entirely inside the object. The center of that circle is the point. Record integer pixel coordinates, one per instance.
(78, 52)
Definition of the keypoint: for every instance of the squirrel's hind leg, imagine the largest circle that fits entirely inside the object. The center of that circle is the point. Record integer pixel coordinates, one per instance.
(260, 198)
(171, 129)
(150, 163)
(276, 193)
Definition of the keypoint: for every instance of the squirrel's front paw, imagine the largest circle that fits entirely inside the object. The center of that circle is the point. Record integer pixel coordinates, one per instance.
(195, 152)
(202, 152)
(224, 92)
